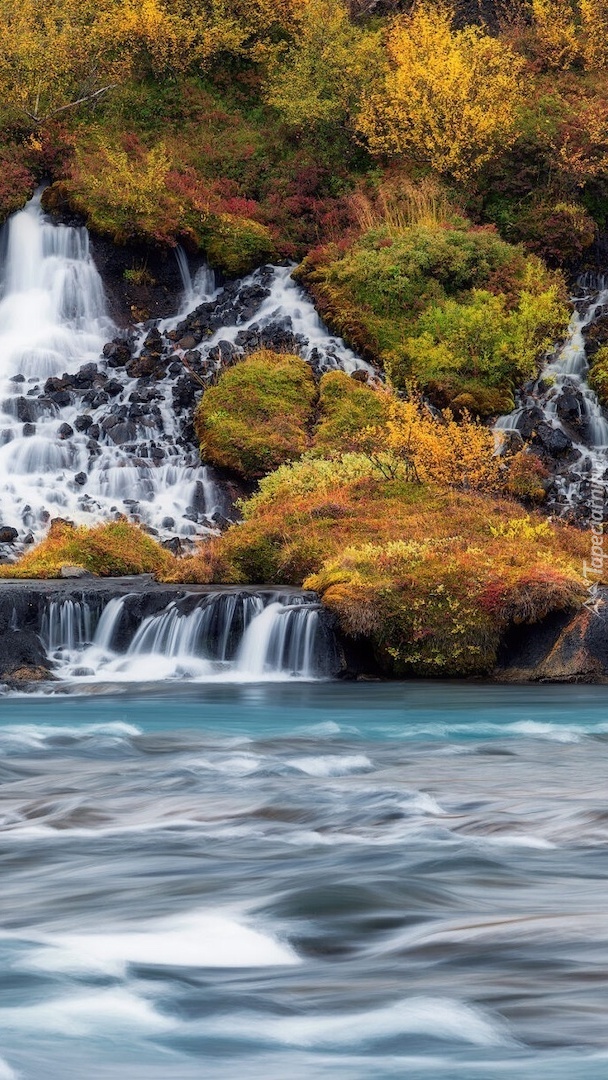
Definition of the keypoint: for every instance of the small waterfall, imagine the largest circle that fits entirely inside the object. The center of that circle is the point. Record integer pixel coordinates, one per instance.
(283, 638)
(66, 624)
(561, 401)
(221, 635)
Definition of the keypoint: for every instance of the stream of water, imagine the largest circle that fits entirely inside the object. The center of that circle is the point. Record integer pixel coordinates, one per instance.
(322, 880)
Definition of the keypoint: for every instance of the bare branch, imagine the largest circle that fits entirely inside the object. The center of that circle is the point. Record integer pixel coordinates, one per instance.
(71, 104)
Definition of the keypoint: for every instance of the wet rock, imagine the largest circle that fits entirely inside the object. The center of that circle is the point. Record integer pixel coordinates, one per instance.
(145, 365)
(554, 441)
(27, 410)
(80, 479)
(529, 421)
(113, 388)
(8, 535)
(85, 377)
(223, 353)
(76, 572)
(359, 375)
(21, 654)
(55, 385)
(83, 422)
(117, 353)
(564, 647)
(28, 430)
(168, 523)
(174, 545)
(28, 539)
(65, 431)
(94, 432)
(183, 393)
(60, 398)
(569, 407)
(190, 341)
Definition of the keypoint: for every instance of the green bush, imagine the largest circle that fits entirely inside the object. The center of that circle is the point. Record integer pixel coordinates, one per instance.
(598, 376)
(347, 408)
(455, 307)
(256, 417)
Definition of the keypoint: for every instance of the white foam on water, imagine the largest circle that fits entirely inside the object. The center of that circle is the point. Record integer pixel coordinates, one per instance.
(331, 764)
(197, 939)
(439, 1018)
(114, 1011)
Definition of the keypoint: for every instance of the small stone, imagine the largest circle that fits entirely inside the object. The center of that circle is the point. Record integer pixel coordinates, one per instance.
(8, 535)
(76, 572)
(80, 478)
(65, 431)
(28, 430)
(168, 523)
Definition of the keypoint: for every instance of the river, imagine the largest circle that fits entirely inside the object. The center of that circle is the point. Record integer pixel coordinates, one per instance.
(307, 880)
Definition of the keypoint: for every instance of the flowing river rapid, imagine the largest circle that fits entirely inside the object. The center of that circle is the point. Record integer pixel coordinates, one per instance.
(304, 880)
(217, 859)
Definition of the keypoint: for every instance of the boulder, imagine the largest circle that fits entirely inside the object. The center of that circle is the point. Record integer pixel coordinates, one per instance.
(8, 535)
(21, 654)
(76, 572)
(564, 647)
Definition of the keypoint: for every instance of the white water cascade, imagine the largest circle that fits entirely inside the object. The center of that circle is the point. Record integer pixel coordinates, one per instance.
(565, 376)
(87, 437)
(231, 636)
(53, 320)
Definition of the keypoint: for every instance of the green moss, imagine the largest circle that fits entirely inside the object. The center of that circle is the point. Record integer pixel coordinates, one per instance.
(347, 408)
(453, 307)
(598, 376)
(256, 417)
(236, 245)
(113, 549)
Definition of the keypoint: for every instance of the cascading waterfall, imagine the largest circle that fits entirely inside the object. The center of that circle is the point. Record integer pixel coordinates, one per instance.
(66, 624)
(92, 428)
(225, 634)
(562, 405)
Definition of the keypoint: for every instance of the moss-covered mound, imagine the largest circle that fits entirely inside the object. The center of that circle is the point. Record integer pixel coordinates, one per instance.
(431, 576)
(598, 376)
(110, 550)
(257, 415)
(347, 408)
(454, 308)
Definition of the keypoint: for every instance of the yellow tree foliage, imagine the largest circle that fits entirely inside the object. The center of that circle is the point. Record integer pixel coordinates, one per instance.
(450, 97)
(434, 449)
(555, 32)
(594, 21)
(57, 54)
(321, 77)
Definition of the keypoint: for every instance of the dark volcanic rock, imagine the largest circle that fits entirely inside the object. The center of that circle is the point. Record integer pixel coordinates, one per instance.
(8, 535)
(564, 647)
(552, 440)
(22, 657)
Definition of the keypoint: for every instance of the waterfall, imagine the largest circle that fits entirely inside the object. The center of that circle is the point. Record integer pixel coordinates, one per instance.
(93, 428)
(66, 624)
(563, 401)
(226, 635)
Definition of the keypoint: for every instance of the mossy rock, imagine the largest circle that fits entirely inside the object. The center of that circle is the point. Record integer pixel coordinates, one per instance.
(236, 245)
(257, 416)
(598, 376)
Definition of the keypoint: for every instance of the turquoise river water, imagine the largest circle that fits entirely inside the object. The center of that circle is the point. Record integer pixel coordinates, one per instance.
(304, 880)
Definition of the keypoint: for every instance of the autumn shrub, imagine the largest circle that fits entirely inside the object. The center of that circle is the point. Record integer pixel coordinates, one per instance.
(235, 244)
(322, 77)
(256, 417)
(110, 550)
(430, 575)
(17, 181)
(450, 97)
(598, 376)
(465, 314)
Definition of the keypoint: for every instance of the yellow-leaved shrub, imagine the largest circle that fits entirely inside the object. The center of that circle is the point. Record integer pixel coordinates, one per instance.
(450, 97)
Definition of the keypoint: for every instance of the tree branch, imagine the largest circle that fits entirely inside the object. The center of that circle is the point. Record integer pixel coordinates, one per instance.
(71, 105)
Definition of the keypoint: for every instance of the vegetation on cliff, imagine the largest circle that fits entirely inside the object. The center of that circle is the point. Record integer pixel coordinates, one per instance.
(256, 417)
